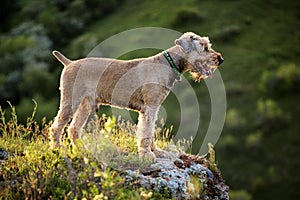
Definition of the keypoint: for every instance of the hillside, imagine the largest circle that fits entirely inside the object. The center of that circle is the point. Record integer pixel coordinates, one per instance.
(259, 145)
(103, 165)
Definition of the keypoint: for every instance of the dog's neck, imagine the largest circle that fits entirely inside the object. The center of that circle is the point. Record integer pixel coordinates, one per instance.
(179, 58)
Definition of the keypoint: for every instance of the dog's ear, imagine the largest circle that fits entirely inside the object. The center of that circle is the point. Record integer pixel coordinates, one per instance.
(185, 43)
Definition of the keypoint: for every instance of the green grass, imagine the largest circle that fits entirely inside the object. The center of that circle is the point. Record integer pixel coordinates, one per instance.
(90, 171)
(254, 37)
(258, 150)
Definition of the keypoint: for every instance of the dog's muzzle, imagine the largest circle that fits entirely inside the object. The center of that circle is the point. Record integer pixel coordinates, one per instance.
(220, 59)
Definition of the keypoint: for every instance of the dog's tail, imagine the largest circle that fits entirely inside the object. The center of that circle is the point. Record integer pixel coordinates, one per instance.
(65, 61)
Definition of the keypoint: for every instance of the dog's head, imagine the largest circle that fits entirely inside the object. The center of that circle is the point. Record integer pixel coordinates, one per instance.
(201, 58)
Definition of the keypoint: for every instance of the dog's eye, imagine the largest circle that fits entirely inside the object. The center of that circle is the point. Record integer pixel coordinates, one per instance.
(193, 38)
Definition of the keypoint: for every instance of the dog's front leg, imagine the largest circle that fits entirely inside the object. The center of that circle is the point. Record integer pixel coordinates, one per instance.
(145, 131)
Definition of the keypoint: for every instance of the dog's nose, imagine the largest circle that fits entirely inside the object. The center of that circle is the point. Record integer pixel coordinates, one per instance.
(220, 59)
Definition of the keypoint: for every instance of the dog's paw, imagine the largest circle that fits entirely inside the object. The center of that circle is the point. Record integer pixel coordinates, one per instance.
(160, 153)
(148, 155)
(165, 154)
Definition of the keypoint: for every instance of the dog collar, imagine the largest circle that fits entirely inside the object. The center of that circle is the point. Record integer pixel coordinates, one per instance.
(171, 63)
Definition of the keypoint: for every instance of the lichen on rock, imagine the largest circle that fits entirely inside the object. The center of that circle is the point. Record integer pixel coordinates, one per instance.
(185, 177)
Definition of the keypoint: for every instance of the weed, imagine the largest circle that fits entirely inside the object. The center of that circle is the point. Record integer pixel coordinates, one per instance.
(91, 170)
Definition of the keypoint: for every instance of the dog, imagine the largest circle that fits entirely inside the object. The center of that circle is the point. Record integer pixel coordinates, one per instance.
(139, 84)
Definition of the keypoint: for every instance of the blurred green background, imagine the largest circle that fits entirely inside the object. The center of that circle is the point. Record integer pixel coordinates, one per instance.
(258, 151)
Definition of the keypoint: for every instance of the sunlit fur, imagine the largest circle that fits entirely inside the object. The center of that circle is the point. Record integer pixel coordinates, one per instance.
(140, 85)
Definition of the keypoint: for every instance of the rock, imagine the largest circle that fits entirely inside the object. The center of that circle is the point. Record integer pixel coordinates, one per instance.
(187, 177)
(3, 155)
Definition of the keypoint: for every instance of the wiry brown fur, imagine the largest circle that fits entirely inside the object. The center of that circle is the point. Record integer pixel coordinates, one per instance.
(140, 84)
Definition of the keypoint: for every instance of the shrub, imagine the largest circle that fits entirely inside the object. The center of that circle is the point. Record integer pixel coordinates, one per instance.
(226, 33)
(267, 82)
(269, 115)
(37, 81)
(35, 171)
(254, 139)
(285, 79)
(24, 49)
(240, 195)
(289, 74)
(187, 16)
(234, 120)
(45, 110)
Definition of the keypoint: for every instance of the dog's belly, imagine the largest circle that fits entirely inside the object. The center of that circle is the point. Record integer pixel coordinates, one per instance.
(135, 105)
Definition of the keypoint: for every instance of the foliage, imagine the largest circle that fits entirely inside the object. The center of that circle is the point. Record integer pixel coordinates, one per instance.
(258, 150)
(240, 195)
(280, 82)
(227, 34)
(254, 139)
(234, 120)
(187, 15)
(270, 115)
(35, 171)
(25, 49)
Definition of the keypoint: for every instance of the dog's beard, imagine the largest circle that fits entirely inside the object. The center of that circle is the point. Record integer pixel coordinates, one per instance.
(202, 71)
(197, 76)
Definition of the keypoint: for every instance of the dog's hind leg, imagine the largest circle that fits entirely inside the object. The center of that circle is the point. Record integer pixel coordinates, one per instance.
(79, 119)
(63, 116)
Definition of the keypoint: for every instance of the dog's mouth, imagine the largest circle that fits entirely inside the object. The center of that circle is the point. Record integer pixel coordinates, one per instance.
(203, 71)
(207, 71)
